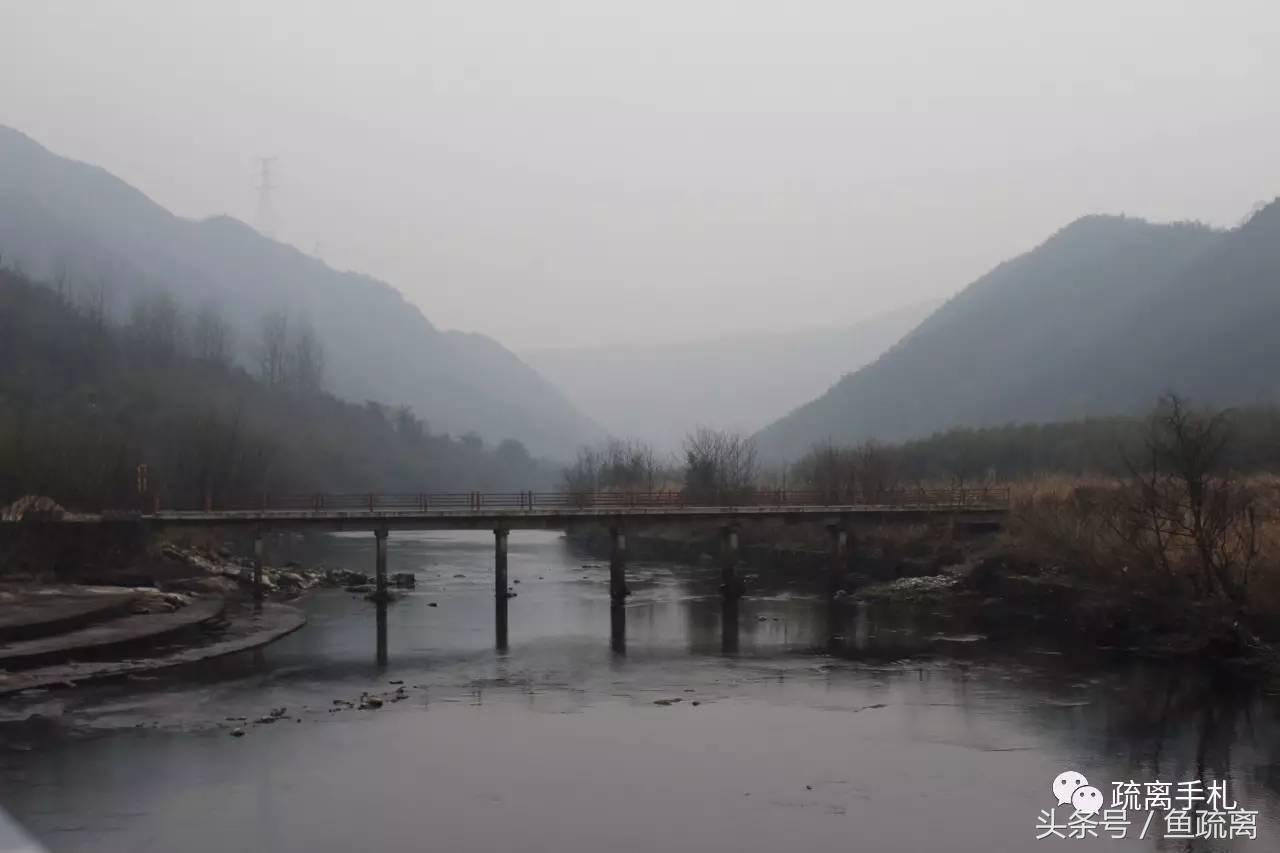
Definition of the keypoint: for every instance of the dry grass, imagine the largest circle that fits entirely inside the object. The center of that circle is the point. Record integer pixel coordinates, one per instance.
(1073, 523)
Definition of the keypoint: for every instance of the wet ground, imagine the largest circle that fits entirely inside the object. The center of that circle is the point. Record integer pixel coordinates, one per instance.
(792, 723)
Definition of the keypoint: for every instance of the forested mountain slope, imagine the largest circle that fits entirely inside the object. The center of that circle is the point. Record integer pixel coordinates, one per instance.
(84, 403)
(1102, 318)
(71, 222)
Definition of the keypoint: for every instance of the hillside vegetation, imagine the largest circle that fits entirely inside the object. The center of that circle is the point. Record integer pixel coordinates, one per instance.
(84, 402)
(1100, 320)
(107, 245)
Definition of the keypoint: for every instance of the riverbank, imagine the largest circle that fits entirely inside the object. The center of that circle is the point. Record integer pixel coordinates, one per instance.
(175, 606)
(810, 723)
(244, 629)
(998, 583)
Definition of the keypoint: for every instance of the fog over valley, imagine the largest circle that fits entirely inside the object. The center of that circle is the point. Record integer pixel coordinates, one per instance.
(727, 426)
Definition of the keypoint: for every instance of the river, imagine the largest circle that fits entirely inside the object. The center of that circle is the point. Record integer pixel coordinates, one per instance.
(799, 725)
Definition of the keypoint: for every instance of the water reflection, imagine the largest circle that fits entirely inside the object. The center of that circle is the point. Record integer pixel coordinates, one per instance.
(618, 629)
(729, 623)
(500, 622)
(820, 724)
(380, 618)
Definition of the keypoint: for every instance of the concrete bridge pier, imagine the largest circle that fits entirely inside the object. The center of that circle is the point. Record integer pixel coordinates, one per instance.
(500, 587)
(839, 554)
(730, 583)
(618, 566)
(380, 564)
(257, 564)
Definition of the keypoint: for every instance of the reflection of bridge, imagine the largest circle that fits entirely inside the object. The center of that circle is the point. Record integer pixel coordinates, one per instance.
(618, 511)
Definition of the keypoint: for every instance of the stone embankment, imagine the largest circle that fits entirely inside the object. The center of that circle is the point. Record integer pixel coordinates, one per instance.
(196, 607)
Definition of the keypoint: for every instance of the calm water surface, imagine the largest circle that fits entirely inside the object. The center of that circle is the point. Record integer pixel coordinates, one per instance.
(816, 727)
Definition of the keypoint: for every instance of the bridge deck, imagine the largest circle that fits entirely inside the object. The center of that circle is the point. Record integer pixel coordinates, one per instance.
(536, 511)
(554, 519)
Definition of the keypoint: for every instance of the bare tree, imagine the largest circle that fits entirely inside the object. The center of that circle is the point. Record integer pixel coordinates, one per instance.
(876, 471)
(273, 348)
(615, 465)
(211, 336)
(866, 471)
(719, 465)
(584, 474)
(304, 368)
(96, 301)
(155, 321)
(829, 470)
(62, 280)
(1182, 505)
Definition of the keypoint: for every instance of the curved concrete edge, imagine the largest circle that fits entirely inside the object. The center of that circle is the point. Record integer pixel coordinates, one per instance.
(14, 839)
(110, 639)
(33, 617)
(250, 631)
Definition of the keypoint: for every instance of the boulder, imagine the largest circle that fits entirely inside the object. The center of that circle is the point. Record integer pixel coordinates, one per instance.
(245, 577)
(346, 578)
(291, 580)
(203, 586)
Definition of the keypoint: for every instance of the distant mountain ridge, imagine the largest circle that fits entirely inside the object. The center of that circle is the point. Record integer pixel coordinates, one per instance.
(1100, 319)
(658, 392)
(62, 218)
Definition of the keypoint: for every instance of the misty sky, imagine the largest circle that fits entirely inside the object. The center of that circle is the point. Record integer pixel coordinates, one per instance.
(557, 173)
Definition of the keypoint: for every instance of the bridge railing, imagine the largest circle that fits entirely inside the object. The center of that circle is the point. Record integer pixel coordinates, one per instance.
(977, 498)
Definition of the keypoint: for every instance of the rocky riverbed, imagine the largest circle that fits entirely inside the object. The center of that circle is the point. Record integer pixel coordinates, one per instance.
(220, 571)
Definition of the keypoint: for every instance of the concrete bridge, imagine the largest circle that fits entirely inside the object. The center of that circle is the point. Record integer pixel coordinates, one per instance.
(506, 511)
(618, 512)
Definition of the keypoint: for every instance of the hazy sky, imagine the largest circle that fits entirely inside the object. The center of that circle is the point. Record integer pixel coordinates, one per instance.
(557, 173)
